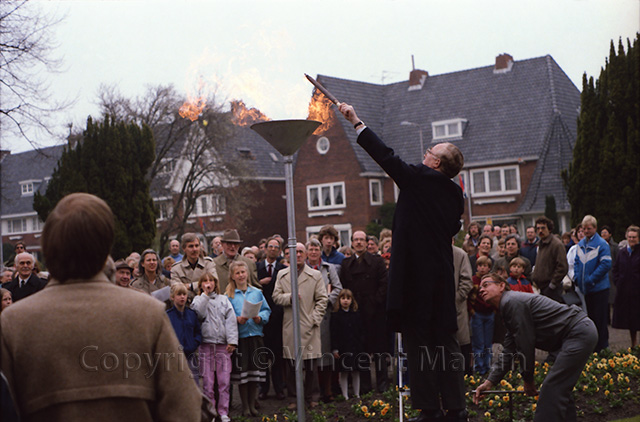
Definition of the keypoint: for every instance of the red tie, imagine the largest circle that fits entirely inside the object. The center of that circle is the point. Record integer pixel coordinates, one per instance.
(269, 270)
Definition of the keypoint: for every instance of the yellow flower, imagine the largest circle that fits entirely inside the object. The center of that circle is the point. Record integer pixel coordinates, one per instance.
(505, 398)
(606, 392)
(375, 403)
(364, 409)
(503, 383)
(367, 414)
(487, 414)
(384, 411)
(534, 406)
(490, 402)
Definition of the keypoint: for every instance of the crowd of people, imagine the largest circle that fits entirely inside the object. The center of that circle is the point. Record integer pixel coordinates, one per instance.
(229, 317)
(342, 291)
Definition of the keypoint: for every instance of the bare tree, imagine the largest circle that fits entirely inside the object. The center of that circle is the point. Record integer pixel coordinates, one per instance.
(26, 44)
(193, 161)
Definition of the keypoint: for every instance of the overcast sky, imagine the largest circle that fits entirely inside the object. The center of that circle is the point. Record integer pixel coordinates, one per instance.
(258, 51)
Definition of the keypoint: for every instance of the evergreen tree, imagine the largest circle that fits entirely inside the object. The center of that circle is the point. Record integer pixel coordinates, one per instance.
(604, 178)
(551, 212)
(111, 162)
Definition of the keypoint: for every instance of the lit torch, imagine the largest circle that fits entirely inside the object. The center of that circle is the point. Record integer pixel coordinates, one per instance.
(324, 90)
(191, 109)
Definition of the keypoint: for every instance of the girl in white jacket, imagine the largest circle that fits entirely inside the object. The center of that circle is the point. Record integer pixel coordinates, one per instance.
(219, 340)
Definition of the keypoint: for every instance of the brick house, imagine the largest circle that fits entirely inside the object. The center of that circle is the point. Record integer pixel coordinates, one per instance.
(213, 212)
(25, 173)
(22, 175)
(515, 122)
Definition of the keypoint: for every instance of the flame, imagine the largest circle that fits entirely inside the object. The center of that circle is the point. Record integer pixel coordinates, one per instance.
(192, 108)
(320, 110)
(243, 116)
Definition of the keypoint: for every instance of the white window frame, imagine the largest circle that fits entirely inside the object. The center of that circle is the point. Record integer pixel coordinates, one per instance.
(216, 203)
(319, 188)
(37, 224)
(167, 166)
(164, 215)
(372, 184)
(23, 223)
(486, 171)
(26, 188)
(446, 123)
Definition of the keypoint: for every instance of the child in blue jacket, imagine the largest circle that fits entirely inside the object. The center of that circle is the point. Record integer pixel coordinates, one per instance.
(186, 325)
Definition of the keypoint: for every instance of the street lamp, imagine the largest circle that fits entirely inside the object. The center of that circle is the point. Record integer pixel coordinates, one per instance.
(287, 136)
(407, 123)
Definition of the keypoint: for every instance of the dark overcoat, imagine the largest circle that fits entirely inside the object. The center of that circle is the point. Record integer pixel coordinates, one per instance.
(34, 284)
(626, 277)
(273, 330)
(367, 278)
(427, 216)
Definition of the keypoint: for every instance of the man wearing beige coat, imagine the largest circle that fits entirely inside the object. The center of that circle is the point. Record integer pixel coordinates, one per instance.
(230, 246)
(462, 276)
(71, 352)
(192, 266)
(313, 305)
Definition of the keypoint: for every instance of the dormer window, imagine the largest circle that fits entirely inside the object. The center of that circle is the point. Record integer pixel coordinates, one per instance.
(26, 187)
(167, 166)
(447, 129)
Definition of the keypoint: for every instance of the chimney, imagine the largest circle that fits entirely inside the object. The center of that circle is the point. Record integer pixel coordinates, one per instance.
(504, 62)
(417, 77)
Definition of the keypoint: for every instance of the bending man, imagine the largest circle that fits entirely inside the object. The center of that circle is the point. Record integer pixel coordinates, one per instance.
(536, 321)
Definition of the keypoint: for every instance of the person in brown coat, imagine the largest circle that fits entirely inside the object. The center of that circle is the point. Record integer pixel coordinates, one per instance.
(84, 348)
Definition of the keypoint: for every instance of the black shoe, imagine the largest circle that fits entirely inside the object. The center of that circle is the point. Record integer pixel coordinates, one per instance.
(457, 415)
(280, 396)
(428, 416)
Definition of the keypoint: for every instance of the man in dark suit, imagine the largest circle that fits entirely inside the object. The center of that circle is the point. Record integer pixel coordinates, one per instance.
(366, 276)
(421, 299)
(26, 282)
(267, 274)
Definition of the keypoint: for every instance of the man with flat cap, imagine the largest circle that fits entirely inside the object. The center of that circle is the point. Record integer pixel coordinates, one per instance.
(230, 246)
(123, 273)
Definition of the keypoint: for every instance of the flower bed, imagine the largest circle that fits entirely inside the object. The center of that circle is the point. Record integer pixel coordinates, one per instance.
(607, 389)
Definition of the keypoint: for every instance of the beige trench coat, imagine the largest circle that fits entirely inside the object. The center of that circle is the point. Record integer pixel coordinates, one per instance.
(181, 272)
(462, 276)
(313, 304)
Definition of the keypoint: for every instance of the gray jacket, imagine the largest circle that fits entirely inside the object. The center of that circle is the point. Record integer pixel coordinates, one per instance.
(532, 321)
(219, 323)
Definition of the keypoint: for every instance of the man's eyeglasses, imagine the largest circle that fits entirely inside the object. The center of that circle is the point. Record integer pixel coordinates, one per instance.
(430, 152)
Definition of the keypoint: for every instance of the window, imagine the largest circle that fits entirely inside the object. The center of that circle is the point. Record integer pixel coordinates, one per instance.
(17, 225)
(209, 205)
(167, 167)
(505, 180)
(446, 129)
(375, 192)
(330, 195)
(27, 188)
(164, 210)
(36, 224)
(322, 145)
